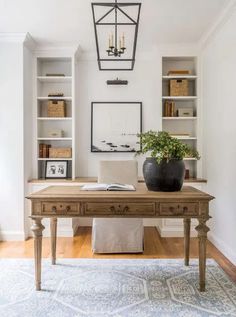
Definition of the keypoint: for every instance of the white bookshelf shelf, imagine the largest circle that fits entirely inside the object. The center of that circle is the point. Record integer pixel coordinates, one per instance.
(54, 139)
(55, 79)
(55, 118)
(179, 118)
(55, 159)
(189, 77)
(54, 98)
(184, 137)
(179, 97)
(190, 159)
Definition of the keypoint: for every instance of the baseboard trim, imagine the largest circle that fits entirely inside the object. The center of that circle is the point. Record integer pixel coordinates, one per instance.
(222, 247)
(12, 236)
(174, 232)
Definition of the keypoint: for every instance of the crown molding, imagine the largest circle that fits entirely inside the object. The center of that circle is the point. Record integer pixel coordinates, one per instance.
(58, 50)
(29, 42)
(218, 23)
(13, 37)
(24, 38)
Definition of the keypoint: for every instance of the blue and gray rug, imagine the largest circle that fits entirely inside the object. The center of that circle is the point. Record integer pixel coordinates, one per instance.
(114, 288)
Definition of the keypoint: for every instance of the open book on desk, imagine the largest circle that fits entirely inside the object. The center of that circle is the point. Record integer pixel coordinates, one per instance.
(115, 186)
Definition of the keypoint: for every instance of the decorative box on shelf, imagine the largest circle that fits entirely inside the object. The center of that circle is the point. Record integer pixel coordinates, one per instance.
(60, 152)
(178, 87)
(56, 133)
(185, 112)
(56, 108)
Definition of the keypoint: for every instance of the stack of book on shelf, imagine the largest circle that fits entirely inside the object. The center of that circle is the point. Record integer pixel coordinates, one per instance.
(169, 109)
(44, 150)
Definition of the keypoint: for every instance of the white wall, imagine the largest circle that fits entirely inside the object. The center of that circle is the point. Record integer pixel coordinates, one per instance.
(144, 85)
(219, 107)
(11, 131)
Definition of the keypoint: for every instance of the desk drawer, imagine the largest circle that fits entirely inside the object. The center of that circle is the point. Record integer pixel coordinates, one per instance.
(132, 209)
(60, 208)
(178, 209)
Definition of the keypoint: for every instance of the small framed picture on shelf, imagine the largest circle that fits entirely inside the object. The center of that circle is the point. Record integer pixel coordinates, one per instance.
(56, 169)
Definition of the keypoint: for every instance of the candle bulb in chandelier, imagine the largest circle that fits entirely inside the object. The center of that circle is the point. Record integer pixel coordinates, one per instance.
(112, 40)
(123, 40)
(120, 45)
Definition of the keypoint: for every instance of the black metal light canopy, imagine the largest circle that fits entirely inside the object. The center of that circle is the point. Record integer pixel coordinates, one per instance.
(116, 31)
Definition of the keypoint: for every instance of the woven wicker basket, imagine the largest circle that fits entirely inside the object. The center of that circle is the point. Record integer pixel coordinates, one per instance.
(56, 108)
(178, 87)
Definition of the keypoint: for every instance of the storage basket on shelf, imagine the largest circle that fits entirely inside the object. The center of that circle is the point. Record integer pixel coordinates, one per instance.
(62, 152)
(178, 87)
(56, 108)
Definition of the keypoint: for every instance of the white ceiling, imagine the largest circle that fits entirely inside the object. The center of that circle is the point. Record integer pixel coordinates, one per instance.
(70, 21)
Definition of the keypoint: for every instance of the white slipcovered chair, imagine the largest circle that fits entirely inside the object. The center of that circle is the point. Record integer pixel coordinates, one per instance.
(117, 235)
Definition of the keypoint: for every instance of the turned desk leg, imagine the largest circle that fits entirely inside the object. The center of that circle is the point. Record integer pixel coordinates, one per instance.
(37, 229)
(53, 226)
(202, 230)
(187, 222)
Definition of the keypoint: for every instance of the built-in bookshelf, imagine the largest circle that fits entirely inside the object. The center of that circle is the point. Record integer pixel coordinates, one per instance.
(55, 73)
(184, 128)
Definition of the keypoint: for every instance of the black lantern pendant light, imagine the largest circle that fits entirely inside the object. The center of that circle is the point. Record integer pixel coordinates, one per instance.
(116, 30)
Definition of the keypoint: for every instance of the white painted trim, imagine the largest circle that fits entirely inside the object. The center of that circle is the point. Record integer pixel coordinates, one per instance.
(222, 247)
(173, 232)
(13, 37)
(25, 38)
(12, 236)
(62, 232)
(58, 51)
(29, 42)
(218, 23)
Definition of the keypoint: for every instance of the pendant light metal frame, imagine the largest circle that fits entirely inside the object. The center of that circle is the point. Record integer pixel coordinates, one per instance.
(99, 21)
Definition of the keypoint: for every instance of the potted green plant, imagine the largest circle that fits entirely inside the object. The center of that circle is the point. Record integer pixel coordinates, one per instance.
(164, 170)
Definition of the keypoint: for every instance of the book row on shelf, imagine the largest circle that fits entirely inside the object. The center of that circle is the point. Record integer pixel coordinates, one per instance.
(170, 110)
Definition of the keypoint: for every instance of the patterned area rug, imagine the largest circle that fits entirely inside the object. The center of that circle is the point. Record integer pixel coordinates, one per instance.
(114, 288)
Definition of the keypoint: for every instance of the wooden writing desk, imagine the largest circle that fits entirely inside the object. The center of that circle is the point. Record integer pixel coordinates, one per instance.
(65, 201)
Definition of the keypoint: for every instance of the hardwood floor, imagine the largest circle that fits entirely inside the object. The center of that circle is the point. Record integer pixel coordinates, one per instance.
(80, 247)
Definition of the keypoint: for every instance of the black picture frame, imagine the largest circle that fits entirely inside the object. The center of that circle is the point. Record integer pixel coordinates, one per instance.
(56, 162)
(94, 103)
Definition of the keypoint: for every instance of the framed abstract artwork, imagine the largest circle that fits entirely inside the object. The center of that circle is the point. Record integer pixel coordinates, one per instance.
(114, 126)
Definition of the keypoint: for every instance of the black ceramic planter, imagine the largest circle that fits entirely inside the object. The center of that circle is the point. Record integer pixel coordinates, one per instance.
(165, 177)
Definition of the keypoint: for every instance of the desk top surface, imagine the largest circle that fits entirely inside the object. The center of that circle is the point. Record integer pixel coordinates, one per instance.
(75, 192)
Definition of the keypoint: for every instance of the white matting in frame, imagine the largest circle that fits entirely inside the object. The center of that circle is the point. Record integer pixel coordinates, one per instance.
(115, 126)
